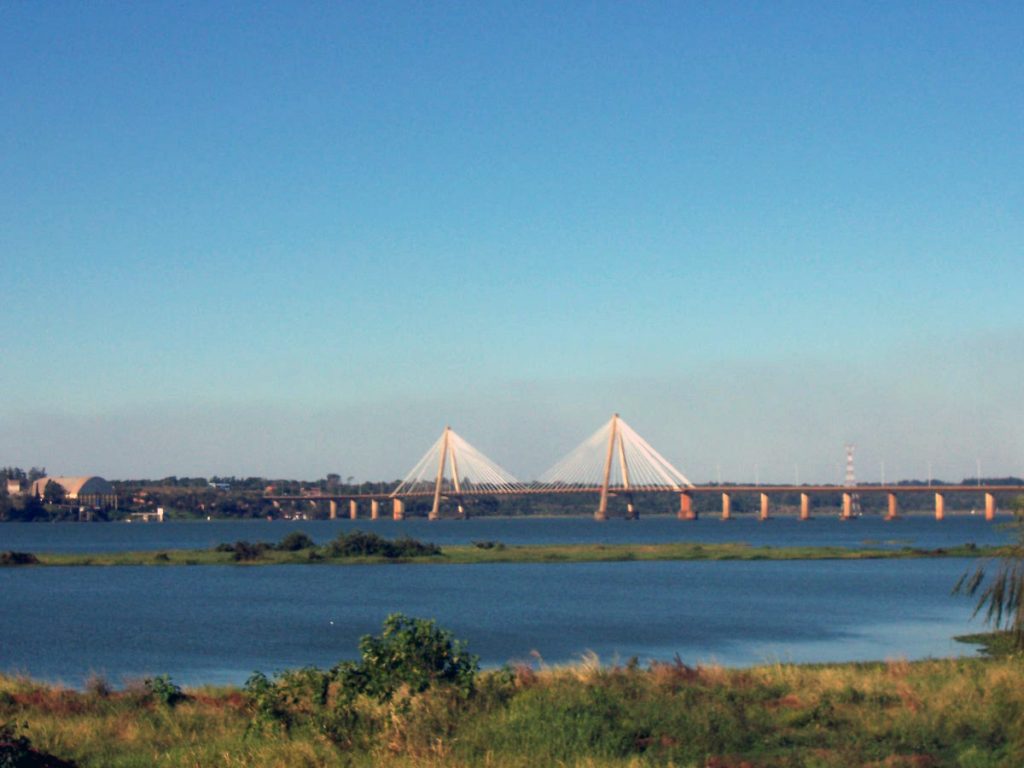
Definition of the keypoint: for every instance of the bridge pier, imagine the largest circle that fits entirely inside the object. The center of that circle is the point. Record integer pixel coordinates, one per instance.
(805, 506)
(398, 509)
(374, 509)
(686, 511)
(353, 509)
(847, 513)
(764, 507)
(990, 507)
(461, 510)
(333, 514)
(631, 512)
(726, 506)
(940, 506)
(893, 507)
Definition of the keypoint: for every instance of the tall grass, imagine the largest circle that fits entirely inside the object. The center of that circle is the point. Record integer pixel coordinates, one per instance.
(967, 712)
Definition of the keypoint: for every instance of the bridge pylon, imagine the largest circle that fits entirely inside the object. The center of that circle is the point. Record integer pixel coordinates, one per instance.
(457, 469)
(616, 460)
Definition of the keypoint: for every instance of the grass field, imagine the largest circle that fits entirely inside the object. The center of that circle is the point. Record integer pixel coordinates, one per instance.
(967, 712)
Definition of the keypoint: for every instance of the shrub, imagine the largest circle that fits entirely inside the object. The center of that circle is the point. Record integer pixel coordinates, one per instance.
(294, 542)
(163, 690)
(244, 550)
(18, 558)
(412, 653)
(360, 544)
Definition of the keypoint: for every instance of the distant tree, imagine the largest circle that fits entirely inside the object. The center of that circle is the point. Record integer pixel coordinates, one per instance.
(54, 493)
(31, 510)
(35, 473)
(1003, 596)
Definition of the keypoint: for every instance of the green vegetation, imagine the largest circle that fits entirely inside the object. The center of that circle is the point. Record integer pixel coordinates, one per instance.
(360, 548)
(1003, 596)
(417, 698)
(18, 558)
(993, 644)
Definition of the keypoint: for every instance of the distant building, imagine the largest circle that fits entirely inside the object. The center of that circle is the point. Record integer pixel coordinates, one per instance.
(14, 487)
(87, 491)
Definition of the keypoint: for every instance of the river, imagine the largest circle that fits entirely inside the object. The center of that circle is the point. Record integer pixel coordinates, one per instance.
(216, 624)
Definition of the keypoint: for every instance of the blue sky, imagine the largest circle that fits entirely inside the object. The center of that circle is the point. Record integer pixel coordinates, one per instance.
(266, 239)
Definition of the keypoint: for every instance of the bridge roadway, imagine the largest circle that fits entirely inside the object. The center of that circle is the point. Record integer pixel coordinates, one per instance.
(686, 510)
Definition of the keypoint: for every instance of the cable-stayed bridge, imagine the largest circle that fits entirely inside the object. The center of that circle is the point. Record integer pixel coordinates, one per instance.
(614, 461)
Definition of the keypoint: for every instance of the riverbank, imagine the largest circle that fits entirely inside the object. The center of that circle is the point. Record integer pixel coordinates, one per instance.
(489, 552)
(962, 712)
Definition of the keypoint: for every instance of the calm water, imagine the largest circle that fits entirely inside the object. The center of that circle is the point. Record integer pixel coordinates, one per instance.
(917, 531)
(217, 624)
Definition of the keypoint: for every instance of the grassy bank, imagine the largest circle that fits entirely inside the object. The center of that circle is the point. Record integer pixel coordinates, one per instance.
(925, 714)
(490, 552)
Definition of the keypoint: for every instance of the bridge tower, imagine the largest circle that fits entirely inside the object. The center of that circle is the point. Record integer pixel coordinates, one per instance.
(615, 460)
(453, 469)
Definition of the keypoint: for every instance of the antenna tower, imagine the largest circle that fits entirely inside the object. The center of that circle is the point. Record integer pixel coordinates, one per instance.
(851, 480)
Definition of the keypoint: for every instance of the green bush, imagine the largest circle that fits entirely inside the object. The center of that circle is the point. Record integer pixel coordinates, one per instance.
(360, 544)
(18, 558)
(294, 542)
(244, 550)
(163, 690)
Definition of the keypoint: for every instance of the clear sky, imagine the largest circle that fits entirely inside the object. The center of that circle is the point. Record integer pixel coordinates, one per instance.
(287, 239)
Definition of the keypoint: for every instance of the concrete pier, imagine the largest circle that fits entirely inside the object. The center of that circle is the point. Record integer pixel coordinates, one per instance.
(940, 506)
(631, 513)
(893, 507)
(353, 509)
(764, 506)
(726, 506)
(686, 511)
(990, 507)
(805, 506)
(847, 513)
(398, 509)
(374, 509)
(333, 509)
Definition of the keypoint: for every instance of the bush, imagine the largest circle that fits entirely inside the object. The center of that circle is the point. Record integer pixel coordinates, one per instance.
(294, 542)
(163, 690)
(359, 544)
(18, 558)
(244, 550)
(411, 653)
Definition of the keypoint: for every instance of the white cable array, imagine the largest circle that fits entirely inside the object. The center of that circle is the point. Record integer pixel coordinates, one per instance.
(584, 465)
(476, 472)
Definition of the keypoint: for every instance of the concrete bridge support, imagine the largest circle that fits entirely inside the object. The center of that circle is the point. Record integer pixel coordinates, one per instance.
(940, 506)
(893, 507)
(764, 506)
(631, 512)
(374, 509)
(333, 514)
(990, 507)
(847, 513)
(805, 506)
(398, 509)
(353, 509)
(726, 506)
(686, 511)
